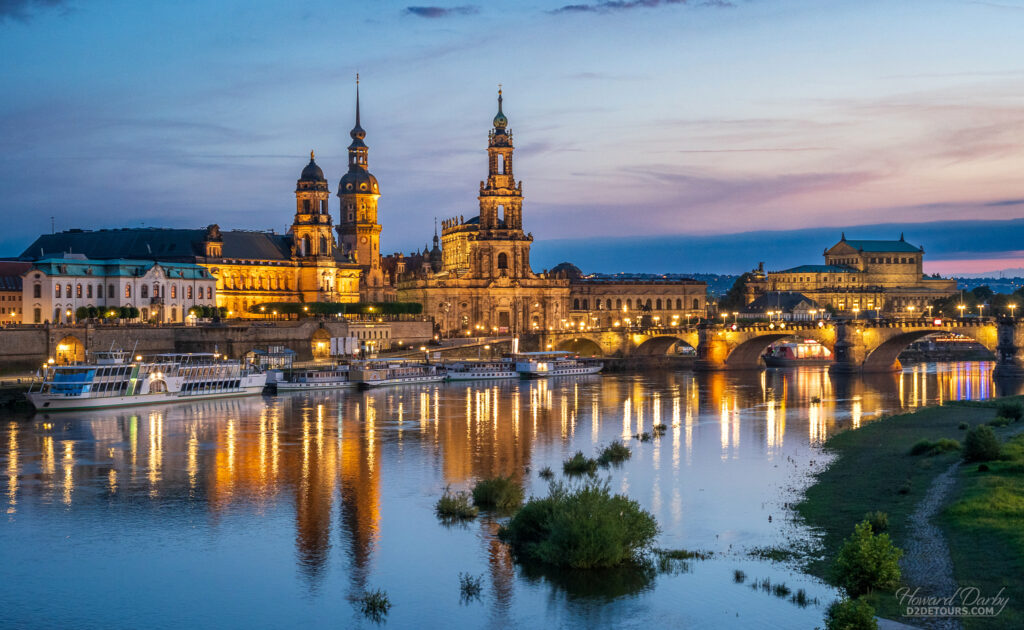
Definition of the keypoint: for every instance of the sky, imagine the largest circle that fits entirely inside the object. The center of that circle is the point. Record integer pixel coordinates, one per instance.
(635, 121)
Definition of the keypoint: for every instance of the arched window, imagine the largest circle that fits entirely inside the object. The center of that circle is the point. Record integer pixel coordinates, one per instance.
(659, 304)
(576, 304)
(128, 291)
(99, 290)
(618, 303)
(608, 304)
(679, 304)
(188, 293)
(648, 303)
(110, 291)
(306, 246)
(323, 206)
(629, 303)
(56, 294)
(696, 304)
(586, 304)
(502, 260)
(144, 291)
(305, 205)
(209, 293)
(174, 291)
(37, 314)
(68, 289)
(323, 245)
(88, 290)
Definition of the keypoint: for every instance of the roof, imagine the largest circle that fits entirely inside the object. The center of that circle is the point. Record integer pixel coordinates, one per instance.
(118, 268)
(883, 246)
(820, 269)
(158, 243)
(780, 300)
(10, 275)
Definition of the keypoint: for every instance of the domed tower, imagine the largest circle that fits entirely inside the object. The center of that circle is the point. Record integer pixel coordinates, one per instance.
(436, 255)
(311, 228)
(358, 192)
(501, 199)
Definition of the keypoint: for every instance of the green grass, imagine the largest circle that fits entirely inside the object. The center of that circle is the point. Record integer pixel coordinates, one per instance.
(985, 531)
(455, 506)
(497, 493)
(873, 471)
(374, 604)
(579, 464)
(614, 453)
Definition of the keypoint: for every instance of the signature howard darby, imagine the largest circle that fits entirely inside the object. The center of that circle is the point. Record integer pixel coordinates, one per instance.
(966, 601)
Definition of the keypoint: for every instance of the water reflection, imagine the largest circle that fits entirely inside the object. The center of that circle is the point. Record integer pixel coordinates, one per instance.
(352, 470)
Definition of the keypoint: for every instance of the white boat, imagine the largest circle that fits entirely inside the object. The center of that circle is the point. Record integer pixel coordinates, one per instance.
(394, 372)
(113, 379)
(545, 364)
(481, 370)
(315, 379)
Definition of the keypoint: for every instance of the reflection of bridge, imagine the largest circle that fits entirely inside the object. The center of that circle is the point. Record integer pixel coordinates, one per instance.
(868, 345)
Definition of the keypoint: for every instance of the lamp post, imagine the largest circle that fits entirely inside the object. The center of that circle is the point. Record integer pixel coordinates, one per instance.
(735, 316)
(981, 309)
(961, 307)
(1012, 307)
(910, 309)
(929, 307)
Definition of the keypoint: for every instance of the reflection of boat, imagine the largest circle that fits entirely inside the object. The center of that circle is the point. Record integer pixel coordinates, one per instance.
(792, 353)
(395, 372)
(315, 378)
(479, 370)
(114, 381)
(544, 364)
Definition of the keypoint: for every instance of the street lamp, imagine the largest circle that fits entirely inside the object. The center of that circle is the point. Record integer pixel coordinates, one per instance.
(962, 307)
(856, 312)
(929, 307)
(981, 308)
(1012, 307)
(735, 316)
(910, 309)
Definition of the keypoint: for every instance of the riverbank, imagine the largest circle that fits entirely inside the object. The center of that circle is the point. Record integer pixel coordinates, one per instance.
(874, 471)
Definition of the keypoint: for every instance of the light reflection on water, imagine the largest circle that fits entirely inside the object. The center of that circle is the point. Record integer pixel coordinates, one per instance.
(269, 512)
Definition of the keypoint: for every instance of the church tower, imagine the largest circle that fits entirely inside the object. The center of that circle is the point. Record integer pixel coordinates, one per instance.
(358, 228)
(311, 227)
(501, 199)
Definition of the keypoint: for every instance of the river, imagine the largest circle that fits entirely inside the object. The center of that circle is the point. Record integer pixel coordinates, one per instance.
(274, 511)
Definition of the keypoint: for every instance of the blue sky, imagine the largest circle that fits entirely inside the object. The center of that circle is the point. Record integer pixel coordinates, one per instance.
(631, 119)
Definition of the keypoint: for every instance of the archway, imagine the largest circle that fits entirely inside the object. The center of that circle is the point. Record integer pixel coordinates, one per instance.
(885, 358)
(321, 344)
(581, 346)
(665, 344)
(69, 350)
(748, 354)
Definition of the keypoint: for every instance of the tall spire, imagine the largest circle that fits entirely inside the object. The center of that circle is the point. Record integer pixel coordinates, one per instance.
(357, 132)
(500, 121)
(357, 99)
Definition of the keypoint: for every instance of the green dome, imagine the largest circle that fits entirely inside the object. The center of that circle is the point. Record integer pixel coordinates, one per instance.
(500, 122)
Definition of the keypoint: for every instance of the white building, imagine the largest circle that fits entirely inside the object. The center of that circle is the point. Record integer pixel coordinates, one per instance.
(54, 289)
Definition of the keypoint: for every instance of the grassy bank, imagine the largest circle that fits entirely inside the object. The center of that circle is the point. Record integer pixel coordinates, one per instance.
(874, 470)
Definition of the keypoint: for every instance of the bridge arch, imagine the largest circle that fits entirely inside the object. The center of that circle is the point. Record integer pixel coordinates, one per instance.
(583, 346)
(69, 349)
(660, 344)
(748, 353)
(885, 357)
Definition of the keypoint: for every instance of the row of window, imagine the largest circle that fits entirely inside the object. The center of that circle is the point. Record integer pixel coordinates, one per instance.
(60, 314)
(655, 305)
(158, 291)
(307, 206)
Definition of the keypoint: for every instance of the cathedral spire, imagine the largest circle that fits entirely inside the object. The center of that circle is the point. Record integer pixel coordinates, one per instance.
(357, 133)
(500, 121)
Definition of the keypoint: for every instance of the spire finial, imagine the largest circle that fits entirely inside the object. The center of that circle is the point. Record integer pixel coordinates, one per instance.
(844, 236)
(312, 155)
(357, 99)
(499, 98)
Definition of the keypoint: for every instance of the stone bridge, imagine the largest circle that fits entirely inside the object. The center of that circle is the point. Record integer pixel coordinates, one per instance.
(857, 345)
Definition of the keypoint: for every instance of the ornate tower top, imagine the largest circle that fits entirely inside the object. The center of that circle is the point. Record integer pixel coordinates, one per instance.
(500, 122)
(358, 179)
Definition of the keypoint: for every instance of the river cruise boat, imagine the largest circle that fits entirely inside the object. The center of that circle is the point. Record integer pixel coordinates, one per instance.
(113, 379)
(481, 370)
(545, 364)
(314, 379)
(795, 353)
(394, 372)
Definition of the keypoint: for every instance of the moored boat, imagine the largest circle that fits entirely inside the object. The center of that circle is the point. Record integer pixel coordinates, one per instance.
(394, 372)
(546, 364)
(315, 379)
(480, 370)
(796, 353)
(113, 379)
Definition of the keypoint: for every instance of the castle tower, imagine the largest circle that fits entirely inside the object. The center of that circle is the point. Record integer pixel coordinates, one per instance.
(358, 228)
(501, 199)
(311, 227)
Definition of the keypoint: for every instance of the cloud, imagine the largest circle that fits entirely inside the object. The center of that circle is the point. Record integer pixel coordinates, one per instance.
(23, 10)
(441, 12)
(609, 6)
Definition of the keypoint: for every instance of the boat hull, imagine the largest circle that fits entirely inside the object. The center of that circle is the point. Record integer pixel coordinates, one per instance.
(783, 362)
(577, 371)
(469, 376)
(48, 403)
(408, 380)
(284, 386)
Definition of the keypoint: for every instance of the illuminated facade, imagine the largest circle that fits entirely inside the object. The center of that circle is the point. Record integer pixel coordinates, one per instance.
(882, 276)
(480, 278)
(11, 306)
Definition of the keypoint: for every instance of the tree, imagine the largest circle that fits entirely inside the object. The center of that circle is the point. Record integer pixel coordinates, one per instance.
(81, 312)
(133, 312)
(93, 312)
(123, 312)
(984, 293)
(867, 561)
(850, 614)
(736, 297)
(981, 444)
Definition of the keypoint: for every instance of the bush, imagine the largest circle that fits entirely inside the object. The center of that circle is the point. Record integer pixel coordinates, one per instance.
(455, 506)
(93, 312)
(998, 422)
(659, 430)
(579, 464)
(981, 445)
(614, 453)
(879, 522)
(375, 604)
(850, 614)
(921, 447)
(497, 493)
(963, 426)
(584, 528)
(945, 445)
(867, 561)
(1013, 410)
(81, 312)
(546, 473)
(470, 586)
(739, 576)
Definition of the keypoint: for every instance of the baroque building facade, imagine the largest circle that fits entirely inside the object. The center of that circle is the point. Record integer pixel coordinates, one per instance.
(885, 277)
(480, 280)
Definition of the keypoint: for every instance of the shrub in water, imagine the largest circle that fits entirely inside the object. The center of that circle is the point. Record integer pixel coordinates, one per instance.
(375, 604)
(579, 464)
(921, 447)
(738, 576)
(781, 590)
(584, 528)
(614, 453)
(659, 430)
(963, 426)
(470, 586)
(1012, 410)
(455, 506)
(801, 599)
(545, 473)
(879, 521)
(867, 561)
(497, 493)
(981, 445)
(850, 614)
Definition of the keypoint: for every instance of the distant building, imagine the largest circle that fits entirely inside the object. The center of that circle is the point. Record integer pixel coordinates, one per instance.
(11, 305)
(54, 288)
(860, 276)
(785, 306)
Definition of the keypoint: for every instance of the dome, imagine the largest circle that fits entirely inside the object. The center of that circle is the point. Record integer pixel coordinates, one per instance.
(358, 180)
(500, 122)
(567, 270)
(312, 172)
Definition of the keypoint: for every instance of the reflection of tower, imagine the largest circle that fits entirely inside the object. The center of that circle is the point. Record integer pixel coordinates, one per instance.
(360, 494)
(318, 465)
(358, 228)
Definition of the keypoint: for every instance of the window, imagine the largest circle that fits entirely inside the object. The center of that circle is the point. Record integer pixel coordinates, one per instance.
(323, 206)
(305, 205)
(78, 290)
(323, 245)
(586, 304)
(99, 290)
(696, 304)
(502, 260)
(188, 293)
(110, 291)
(68, 289)
(306, 246)
(679, 304)
(209, 293)
(88, 291)
(576, 304)
(145, 291)
(56, 294)
(37, 314)
(629, 303)
(174, 292)
(608, 304)
(128, 291)
(659, 304)
(618, 303)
